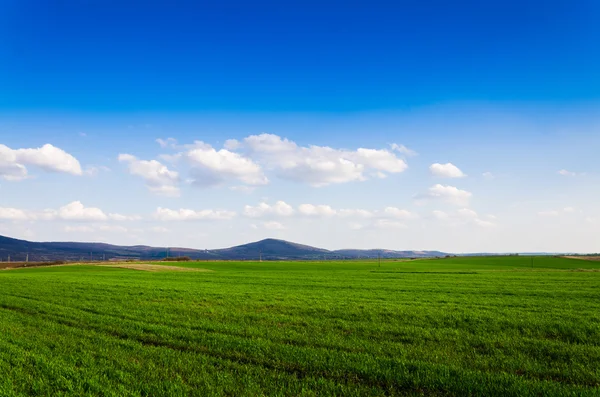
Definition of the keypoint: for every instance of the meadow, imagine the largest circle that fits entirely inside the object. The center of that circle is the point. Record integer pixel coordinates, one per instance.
(458, 326)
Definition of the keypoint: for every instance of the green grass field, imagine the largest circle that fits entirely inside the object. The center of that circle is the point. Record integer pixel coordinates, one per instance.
(459, 326)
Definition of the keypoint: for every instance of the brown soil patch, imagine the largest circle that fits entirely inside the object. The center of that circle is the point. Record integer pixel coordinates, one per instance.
(584, 258)
(155, 268)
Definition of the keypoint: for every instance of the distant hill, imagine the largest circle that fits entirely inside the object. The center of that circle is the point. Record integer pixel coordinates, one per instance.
(269, 249)
(375, 253)
(272, 249)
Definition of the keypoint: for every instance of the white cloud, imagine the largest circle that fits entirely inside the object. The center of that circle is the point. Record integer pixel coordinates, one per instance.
(564, 172)
(14, 214)
(482, 223)
(388, 224)
(440, 214)
(14, 162)
(165, 214)
(79, 229)
(488, 175)
(76, 211)
(159, 179)
(232, 144)
(447, 170)
(399, 213)
(569, 209)
(242, 189)
(272, 225)
(467, 213)
(112, 228)
(213, 167)
(319, 165)
(94, 170)
(280, 208)
(316, 210)
(463, 216)
(548, 213)
(122, 218)
(449, 194)
(403, 149)
(169, 142)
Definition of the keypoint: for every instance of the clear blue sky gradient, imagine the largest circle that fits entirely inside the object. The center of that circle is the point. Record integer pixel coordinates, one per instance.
(111, 56)
(510, 88)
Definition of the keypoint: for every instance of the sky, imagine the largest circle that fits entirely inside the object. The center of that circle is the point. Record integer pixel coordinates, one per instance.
(461, 126)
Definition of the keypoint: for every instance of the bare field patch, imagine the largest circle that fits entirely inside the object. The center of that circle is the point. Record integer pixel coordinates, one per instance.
(584, 258)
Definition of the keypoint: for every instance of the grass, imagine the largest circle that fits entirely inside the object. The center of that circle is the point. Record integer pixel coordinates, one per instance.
(457, 326)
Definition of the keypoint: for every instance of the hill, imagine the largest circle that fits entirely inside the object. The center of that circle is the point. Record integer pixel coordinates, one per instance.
(268, 249)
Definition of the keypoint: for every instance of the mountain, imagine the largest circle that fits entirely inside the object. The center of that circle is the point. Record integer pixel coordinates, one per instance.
(269, 249)
(272, 249)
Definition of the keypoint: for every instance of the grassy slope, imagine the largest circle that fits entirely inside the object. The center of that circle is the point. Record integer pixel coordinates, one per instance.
(480, 326)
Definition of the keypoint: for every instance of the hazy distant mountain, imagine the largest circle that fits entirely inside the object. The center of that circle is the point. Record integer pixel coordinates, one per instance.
(375, 253)
(269, 249)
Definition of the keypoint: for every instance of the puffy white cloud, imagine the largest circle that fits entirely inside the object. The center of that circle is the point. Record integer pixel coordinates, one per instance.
(447, 170)
(463, 216)
(319, 165)
(403, 149)
(14, 162)
(569, 209)
(272, 225)
(232, 144)
(165, 214)
(399, 213)
(316, 210)
(211, 166)
(76, 211)
(246, 161)
(488, 175)
(449, 194)
(280, 208)
(159, 179)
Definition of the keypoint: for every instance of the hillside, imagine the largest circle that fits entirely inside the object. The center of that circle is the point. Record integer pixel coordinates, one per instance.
(268, 249)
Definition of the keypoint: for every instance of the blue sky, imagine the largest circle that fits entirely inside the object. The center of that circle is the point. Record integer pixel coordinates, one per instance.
(414, 125)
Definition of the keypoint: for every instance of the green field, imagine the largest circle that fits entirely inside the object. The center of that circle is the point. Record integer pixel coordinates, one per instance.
(459, 326)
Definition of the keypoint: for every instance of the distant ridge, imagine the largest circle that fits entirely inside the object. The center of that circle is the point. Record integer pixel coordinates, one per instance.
(268, 249)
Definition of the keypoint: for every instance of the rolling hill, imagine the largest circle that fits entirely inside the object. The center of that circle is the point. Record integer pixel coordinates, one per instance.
(268, 249)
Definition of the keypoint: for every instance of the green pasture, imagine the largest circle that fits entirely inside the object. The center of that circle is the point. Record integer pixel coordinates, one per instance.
(481, 326)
